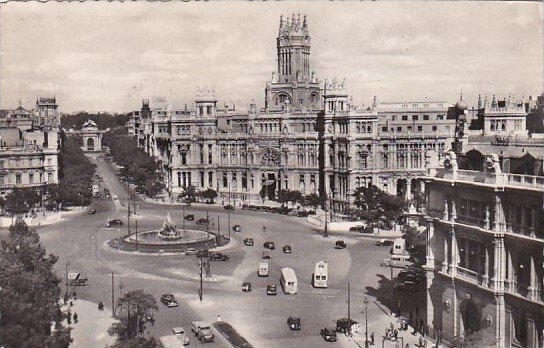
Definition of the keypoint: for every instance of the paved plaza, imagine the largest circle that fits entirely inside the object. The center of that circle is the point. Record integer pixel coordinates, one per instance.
(82, 239)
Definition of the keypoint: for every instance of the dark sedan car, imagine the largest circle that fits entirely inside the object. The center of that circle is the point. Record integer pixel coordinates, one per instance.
(293, 323)
(218, 257)
(272, 289)
(114, 223)
(269, 245)
(189, 217)
(328, 334)
(248, 241)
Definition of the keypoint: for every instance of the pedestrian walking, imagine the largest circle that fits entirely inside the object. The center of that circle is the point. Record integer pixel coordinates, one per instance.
(218, 317)
(396, 333)
(420, 341)
(372, 339)
(75, 318)
(69, 317)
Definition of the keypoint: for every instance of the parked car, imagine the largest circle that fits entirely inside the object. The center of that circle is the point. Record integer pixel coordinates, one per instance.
(272, 289)
(229, 207)
(179, 332)
(266, 255)
(361, 229)
(202, 221)
(237, 228)
(248, 241)
(189, 217)
(246, 287)
(384, 242)
(114, 223)
(92, 211)
(77, 279)
(191, 251)
(340, 244)
(417, 279)
(218, 257)
(293, 323)
(169, 300)
(269, 245)
(407, 286)
(202, 331)
(287, 249)
(328, 334)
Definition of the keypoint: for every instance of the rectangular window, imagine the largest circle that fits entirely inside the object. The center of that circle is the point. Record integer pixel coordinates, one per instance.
(18, 179)
(399, 129)
(419, 128)
(210, 158)
(434, 128)
(384, 129)
(394, 117)
(440, 117)
(409, 128)
(414, 118)
(426, 117)
(31, 178)
(405, 117)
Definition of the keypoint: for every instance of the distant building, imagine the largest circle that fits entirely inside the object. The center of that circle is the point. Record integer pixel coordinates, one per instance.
(308, 137)
(91, 136)
(29, 146)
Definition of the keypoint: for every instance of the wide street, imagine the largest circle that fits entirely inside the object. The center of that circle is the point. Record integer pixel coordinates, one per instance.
(81, 241)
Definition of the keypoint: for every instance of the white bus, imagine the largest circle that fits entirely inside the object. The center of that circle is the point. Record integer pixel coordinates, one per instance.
(321, 275)
(288, 281)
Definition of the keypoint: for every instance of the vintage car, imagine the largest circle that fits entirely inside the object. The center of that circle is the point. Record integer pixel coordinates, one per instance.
(77, 279)
(248, 242)
(269, 245)
(293, 323)
(287, 249)
(237, 228)
(347, 325)
(246, 287)
(328, 334)
(272, 289)
(340, 244)
(169, 300)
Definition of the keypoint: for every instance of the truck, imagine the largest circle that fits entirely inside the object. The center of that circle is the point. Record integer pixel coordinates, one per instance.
(202, 331)
(77, 279)
(263, 269)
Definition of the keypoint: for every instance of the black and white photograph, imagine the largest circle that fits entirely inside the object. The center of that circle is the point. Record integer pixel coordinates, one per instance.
(287, 174)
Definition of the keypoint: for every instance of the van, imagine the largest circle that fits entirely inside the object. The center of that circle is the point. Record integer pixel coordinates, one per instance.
(399, 247)
(398, 261)
(263, 269)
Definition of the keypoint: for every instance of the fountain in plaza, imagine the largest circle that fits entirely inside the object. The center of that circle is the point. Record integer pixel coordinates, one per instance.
(169, 231)
(167, 238)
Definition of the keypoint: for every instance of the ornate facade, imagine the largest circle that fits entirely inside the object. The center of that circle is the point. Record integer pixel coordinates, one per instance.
(308, 137)
(29, 146)
(485, 242)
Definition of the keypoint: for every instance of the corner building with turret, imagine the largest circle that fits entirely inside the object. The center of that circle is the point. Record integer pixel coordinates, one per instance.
(308, 137)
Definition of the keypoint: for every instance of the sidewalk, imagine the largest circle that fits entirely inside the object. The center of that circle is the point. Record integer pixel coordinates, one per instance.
(91, 330)
(378, 327)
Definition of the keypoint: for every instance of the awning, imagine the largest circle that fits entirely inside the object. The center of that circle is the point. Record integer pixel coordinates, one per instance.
(268, 182)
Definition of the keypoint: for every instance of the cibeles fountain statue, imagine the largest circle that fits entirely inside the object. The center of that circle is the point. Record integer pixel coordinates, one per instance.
(169, 230)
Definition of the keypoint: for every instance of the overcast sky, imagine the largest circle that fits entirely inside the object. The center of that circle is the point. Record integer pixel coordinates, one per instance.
(108, 56)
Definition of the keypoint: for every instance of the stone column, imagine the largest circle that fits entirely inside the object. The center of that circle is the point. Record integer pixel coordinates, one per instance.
(486, 266)
(454, 253)
(430, 243)
(453, 215)
(446, 215)
(408, 189)
(445, 261)
(533, 280)
(499, 264)
(532, 333)
(487, 221)
(498, 216)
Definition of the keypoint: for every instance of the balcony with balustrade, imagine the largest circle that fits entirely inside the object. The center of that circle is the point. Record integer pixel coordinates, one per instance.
(501, 180)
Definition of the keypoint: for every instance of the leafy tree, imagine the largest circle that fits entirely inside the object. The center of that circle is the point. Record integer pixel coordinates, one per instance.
(190, 193)
(102, 120)
(376, 206)
(131, 310)
(30, 293)
(21, 200)
(210, 195)
(140, 168)
(312, 200)
(76, 172)
(416, 243)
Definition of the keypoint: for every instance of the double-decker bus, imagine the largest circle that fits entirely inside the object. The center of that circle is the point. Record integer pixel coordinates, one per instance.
(321, 275)
(288, 281)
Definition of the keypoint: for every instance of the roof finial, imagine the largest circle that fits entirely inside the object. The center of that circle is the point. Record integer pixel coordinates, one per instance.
(304, 23)
(479, 101)
(281, 21)
(461, 96)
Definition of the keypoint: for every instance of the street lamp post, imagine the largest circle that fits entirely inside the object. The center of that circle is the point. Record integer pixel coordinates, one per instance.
(228, 213)
(66, 275)
(365, 301)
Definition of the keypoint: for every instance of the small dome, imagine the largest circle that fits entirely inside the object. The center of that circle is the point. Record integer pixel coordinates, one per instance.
(461, 105)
